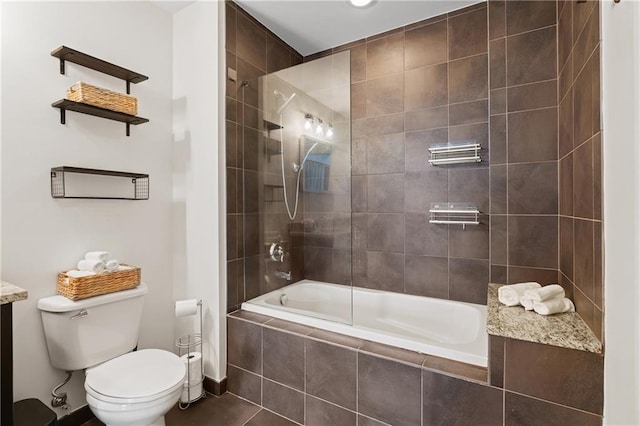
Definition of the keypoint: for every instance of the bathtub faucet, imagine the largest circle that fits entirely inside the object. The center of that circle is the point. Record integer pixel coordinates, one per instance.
(285, 275)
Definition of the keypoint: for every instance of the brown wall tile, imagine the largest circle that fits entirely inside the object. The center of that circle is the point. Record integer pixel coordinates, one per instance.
(497, 19)
(498, 126)
(498, 179)
(468, 79)
(385, 154)
(358, 63)
(468, 280)
(427, 276)
(531, 56)
(244, 345)
(385, 232)
(533, 188)
(549, 372)
(583, 181)
(321, 413)
(426, 45)
(496, 361)
(429, 118)
(518, 274)
(251, 42)
(385, 56)
(566, 246)
(468, 34)
(382, 384)
(529, 15)
(499, 240)
(385, 95)
(426, 87)
(533, 241)
(385, 271)
(471, 242)
(468, 113)
(523, 411)
(565, 125)
(283, 400)
(244, 384)
(497, 63)
(583, 257)
(533, 96)
(425, 238)
(283, 358)
(331, 373)
(385, 193)
(447, 401)
(533, 136)
(498, 101)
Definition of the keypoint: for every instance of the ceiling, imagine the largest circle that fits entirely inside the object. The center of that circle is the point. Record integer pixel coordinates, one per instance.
(311, 26)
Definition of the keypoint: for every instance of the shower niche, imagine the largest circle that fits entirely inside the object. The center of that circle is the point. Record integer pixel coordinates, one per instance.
(296, 183)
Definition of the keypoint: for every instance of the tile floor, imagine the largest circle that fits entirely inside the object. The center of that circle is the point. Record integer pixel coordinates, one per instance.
(226, 410)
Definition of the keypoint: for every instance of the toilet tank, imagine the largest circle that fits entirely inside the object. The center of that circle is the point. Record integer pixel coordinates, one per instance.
(87, 332)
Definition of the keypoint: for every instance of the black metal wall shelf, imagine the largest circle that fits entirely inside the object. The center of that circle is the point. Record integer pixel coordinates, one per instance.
(65, 53)
(140, 182)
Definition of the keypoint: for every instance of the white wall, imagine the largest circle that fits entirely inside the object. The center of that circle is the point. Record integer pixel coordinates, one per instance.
(40, 235)
(198, 197)
(621, 128)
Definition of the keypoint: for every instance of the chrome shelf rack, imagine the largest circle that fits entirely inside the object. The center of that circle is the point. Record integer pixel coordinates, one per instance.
(454, 214)
(455, 153)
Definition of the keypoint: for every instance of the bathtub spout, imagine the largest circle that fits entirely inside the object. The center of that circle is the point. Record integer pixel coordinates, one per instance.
(285, 275)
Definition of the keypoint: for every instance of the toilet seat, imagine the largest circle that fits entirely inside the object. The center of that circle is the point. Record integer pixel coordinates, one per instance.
(136, 377)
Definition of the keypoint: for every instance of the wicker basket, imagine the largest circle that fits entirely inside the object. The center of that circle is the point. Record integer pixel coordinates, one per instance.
(95, 285)
(103, 98)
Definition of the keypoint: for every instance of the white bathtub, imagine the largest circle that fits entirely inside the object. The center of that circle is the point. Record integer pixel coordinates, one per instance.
(444, 328)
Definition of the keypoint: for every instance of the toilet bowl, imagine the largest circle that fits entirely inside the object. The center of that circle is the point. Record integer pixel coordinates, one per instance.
(135, 389)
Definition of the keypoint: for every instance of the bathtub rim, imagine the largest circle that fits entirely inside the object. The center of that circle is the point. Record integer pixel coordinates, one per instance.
(372, 336)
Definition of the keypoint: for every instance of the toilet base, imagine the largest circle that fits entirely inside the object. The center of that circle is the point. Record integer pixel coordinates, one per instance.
(159, 422)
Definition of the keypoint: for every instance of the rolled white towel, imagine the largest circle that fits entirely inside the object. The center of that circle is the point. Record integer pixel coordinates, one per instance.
(527, 303)
(545, 293)
(79, 274)
(554, 306)
(102, 256)
(112, 265)
(510, 294)
(95, 265)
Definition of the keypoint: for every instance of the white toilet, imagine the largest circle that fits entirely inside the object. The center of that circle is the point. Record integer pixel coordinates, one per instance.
(98, 334)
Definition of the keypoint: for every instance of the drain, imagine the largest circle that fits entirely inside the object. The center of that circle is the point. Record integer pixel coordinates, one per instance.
(283, 299)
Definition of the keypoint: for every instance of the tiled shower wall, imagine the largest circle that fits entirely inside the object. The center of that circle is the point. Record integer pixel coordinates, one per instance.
(486, 73)
(580, 152)
(522, 78)
(252, 51)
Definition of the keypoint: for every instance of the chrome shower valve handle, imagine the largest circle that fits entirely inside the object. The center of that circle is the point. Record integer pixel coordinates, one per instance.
(276, 252)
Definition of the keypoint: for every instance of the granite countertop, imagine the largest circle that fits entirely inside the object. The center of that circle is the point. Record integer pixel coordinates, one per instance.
(10, 293)
(566, 330)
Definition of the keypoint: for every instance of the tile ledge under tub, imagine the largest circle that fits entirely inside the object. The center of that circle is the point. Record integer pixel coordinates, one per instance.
(566, 330)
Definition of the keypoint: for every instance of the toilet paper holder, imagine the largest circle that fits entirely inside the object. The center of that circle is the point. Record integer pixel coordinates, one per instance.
(190, 349)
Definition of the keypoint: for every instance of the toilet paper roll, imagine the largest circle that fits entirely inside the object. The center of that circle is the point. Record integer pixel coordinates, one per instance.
(193, 362)
(191, 393)
(186, 307)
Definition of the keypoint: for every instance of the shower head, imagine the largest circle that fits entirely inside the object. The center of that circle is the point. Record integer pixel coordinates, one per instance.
(287, 101)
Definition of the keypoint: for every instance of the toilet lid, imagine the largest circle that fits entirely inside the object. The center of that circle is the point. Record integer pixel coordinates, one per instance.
(137, 374)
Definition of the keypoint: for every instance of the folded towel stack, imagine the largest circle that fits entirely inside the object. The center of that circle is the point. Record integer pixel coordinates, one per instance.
(547, 300)
(112, 265)
(510, 294)
(94, 265)
(557, 305)
(102, 256)
(95, 262)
